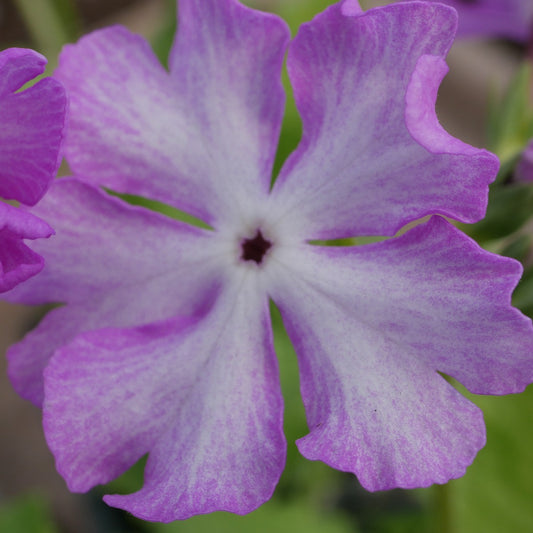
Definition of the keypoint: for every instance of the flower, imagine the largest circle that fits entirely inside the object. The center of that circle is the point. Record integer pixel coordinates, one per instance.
(164, 343)
(32, 124)
(524, 167)
(494, 18)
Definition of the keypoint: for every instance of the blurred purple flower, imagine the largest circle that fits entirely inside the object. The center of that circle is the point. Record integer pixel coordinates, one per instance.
(512, 19)
(524, 167)
(32, 125)
(164, 344)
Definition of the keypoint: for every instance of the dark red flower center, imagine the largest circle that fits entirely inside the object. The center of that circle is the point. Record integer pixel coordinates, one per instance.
(254, 249)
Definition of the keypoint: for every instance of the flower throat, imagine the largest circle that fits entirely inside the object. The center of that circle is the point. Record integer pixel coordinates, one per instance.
(254, 249)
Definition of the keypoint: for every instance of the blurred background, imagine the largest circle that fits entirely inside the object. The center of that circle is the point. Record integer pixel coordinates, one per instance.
(496, 494)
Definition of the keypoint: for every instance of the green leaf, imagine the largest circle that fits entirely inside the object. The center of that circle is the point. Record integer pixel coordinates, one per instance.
(160, 207)
(26, 515)
(523, 294)
(510, 206)
(163, 39)
(496, 494)
(131, 481)
(519, 248)
(271, 517)
(51, 23)
(511, 120)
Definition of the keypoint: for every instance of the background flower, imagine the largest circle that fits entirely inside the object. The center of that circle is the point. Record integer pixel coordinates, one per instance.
(524, 169)
(32, 125)
(512, 19)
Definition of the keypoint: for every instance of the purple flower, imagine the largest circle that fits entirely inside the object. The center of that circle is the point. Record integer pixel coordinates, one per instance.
(494, 18)
(32, 125)
(164, 342)
(524, 167)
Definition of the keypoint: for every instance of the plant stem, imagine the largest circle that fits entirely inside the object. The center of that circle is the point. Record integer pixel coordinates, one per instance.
(442, 522)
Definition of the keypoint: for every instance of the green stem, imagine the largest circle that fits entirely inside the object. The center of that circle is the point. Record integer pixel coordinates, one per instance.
(442, 522)
(51, 23)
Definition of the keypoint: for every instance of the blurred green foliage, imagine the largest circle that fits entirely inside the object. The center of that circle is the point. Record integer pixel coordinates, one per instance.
(510, 124)
(510, 128)
(29, 514)
(273, 516)
(51, 24)
(510, 207)
(496, 495)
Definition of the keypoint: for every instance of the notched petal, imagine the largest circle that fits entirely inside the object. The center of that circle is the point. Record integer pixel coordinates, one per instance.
(201, 396)
(351, 8)
(360, 169)
(113, 265)
(202, 137)
(32, 126)
(17, 67)
(372, 327)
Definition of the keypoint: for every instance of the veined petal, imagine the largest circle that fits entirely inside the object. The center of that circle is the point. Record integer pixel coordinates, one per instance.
(200, 396)
(372, 325)
(114, 265)
(17, 261)
(18, 66)
(202, 138)
(362, 168)
(227, 60)
(28, 358)
(32, 126)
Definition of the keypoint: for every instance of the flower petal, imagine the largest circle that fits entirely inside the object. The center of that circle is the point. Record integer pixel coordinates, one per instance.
(201, 396)
(114, 265)
(17, 261)
(202, 138)
(420, 116)
(227, 59)
(32, 126)
(361, 168)
(28, 358)
(373, 324)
